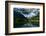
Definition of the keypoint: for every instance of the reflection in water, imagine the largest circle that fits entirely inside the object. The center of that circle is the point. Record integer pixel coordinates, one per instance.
(29, 25)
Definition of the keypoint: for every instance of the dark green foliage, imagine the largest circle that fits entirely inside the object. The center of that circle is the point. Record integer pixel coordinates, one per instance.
(19, 21)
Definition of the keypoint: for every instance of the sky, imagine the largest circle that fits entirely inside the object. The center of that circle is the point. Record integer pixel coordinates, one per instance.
(31, 14)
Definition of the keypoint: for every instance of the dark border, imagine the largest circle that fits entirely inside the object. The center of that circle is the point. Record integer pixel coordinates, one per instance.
(6, 17)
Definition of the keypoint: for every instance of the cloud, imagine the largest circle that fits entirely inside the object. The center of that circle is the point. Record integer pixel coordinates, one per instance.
(31, 14)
